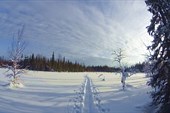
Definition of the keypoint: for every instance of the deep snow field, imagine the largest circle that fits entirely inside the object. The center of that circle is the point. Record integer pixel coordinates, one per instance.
(50, 92)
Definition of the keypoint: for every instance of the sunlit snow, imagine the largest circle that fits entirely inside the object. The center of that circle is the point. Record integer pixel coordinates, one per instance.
(50, 92)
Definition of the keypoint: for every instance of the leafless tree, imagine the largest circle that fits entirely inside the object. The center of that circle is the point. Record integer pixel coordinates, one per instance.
(16, 51)
(118, 56)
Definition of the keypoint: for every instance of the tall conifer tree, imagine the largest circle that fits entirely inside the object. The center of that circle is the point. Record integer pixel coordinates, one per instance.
(159, 29)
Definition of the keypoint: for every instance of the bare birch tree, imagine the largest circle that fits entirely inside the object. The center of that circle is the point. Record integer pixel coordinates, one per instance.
(118, 57)
(16, 51)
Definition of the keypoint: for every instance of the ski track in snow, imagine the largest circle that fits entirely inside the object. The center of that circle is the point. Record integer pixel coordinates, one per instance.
(88, 101)
(49, 92)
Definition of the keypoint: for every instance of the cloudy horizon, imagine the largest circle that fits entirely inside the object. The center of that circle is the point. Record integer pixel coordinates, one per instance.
(87, 31)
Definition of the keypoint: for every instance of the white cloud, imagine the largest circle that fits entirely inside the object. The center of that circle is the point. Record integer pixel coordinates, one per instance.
(84, 30)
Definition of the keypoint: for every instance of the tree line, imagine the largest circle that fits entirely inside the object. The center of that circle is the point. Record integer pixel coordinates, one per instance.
(42, 63)
(61, 64)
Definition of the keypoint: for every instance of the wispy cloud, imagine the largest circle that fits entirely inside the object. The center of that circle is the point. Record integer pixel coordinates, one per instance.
(87, 31)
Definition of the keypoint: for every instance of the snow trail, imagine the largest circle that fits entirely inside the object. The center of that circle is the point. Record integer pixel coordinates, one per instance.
(88, 101)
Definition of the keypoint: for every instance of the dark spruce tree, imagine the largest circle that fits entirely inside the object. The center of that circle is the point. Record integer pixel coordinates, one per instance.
(159, 29)
(52, 61)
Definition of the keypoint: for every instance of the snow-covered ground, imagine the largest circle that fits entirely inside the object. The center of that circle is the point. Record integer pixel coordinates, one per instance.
(51, 92)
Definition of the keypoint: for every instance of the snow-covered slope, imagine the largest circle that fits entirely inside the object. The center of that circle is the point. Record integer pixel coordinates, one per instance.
(50, 92)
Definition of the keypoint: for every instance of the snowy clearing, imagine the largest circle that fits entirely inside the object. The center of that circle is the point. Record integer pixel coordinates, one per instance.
(50, 92)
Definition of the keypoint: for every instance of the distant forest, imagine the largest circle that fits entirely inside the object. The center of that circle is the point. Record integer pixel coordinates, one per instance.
(41, 63)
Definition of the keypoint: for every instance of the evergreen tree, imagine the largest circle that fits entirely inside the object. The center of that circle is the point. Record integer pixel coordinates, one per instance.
(52, 61)
(32, 62)
(159, 29)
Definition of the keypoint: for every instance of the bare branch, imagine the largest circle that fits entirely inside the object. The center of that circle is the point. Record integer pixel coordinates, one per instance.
(118, 56)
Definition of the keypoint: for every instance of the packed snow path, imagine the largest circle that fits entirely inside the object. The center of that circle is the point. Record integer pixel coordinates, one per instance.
(88, 101)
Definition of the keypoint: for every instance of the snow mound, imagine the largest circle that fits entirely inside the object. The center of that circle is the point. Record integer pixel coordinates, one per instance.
(15, 85)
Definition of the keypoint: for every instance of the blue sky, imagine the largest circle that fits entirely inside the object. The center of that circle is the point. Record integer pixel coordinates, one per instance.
(84, 30)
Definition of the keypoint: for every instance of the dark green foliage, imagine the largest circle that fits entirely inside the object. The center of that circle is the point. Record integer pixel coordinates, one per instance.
(42, 63)
(139, 67)
(52, 61)
(103, 69)
(3, 61)
(159, 29)
(166, 109)
(60, 64)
